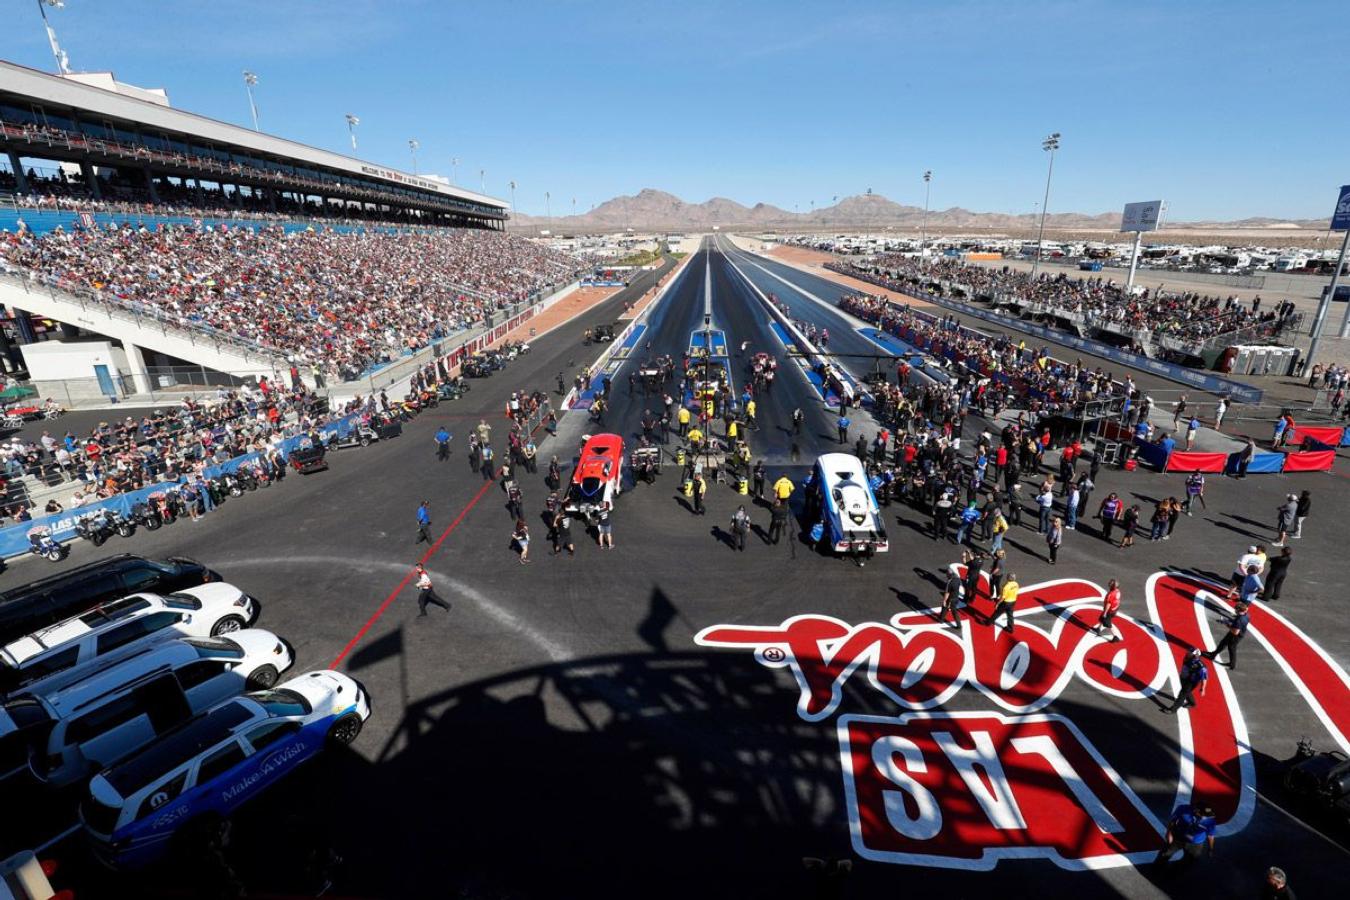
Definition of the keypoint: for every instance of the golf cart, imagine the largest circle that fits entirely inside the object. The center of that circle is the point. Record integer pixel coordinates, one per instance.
(308, 457)
(359, 435)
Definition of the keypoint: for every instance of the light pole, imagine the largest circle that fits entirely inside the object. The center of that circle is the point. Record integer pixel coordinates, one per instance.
(574, 208)
(1052, 144)
(412, 148)
(548, 210)
(927, 188)
(454, 170)
(482, 181)
(62, 61)
(352, 122)
(249, 81)
(513, 195)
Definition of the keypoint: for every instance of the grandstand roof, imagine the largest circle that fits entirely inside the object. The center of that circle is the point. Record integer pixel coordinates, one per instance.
(26, 87)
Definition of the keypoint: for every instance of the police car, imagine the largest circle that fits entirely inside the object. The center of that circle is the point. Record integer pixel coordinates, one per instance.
(206, 769)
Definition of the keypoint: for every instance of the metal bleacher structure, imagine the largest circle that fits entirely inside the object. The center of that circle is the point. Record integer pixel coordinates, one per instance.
(125, 151)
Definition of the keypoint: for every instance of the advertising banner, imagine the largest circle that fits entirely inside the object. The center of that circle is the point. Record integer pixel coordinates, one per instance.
(1340, 219)
(1141, 216)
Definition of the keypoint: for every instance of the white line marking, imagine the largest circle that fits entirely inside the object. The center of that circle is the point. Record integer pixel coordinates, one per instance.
(501, 615)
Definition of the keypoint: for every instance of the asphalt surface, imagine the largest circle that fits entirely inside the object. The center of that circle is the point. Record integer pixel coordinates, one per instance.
(559, 733)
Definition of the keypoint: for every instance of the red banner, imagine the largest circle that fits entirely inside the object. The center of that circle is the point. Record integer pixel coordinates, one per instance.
(1324, 433)
(1190, 461)
(1313, 461)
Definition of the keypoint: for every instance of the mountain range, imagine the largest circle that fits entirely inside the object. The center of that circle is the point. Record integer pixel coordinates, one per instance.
(650, 210)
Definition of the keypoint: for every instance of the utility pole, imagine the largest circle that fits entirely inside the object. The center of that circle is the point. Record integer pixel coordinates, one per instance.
(923, 242)
(249, 81)
(62, 61)
(1051, 144)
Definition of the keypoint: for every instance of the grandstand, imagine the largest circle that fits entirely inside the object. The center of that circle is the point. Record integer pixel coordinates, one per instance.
(182, 241)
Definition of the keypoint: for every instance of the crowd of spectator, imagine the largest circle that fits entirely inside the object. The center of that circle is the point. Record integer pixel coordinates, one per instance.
(1102, 303)
(180, 442)
(1045, 385)
(342, 302)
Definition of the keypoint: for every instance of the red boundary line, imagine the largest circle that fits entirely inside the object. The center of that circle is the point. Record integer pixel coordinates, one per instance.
(388, 601)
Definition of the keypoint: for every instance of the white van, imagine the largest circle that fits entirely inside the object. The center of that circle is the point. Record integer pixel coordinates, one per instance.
(96, 721)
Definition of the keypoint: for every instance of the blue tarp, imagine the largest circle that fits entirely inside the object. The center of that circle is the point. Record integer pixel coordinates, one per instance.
(1152, 453)
(1261, 464)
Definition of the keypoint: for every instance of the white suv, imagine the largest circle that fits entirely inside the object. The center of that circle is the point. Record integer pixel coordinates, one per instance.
(110, 713)
(48, 659)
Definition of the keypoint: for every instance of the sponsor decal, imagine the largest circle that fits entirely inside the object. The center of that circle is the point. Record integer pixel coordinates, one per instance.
(966, 789)
(265, 767)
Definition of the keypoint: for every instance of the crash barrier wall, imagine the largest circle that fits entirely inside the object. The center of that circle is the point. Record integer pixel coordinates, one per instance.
(1215, 384)
(640, 319)
(1271, 463)
(14, 539)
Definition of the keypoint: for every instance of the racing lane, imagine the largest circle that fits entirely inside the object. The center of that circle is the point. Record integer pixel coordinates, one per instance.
(844, 336)
(738, 313)
(744, 317)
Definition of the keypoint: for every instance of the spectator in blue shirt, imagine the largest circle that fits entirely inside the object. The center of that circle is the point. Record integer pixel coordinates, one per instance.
(969, 516)
(1189, 830)
(1167, 444)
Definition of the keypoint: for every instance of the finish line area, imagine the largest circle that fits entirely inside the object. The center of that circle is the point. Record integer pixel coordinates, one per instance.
(676, 712)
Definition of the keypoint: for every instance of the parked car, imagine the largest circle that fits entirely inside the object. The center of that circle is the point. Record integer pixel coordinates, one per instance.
(111, 713)
(38, 604)
(205, 770)
(47, 659)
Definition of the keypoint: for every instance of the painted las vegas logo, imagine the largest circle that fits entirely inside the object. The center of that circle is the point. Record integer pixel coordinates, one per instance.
(966, 789)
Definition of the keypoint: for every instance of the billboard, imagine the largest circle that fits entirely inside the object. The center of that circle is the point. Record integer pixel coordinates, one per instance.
(1340, 219)
(1141, 216)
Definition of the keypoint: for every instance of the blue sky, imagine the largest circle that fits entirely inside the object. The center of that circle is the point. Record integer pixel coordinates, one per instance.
(1226, 109)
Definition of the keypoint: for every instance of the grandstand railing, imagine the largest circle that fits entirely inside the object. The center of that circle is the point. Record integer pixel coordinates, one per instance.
(144, 315)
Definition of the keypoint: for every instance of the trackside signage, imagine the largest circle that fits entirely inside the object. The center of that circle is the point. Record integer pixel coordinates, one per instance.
(1340, 219)
(1017, 779)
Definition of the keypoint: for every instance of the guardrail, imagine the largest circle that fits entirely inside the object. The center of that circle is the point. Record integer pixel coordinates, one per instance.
(142, 315)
